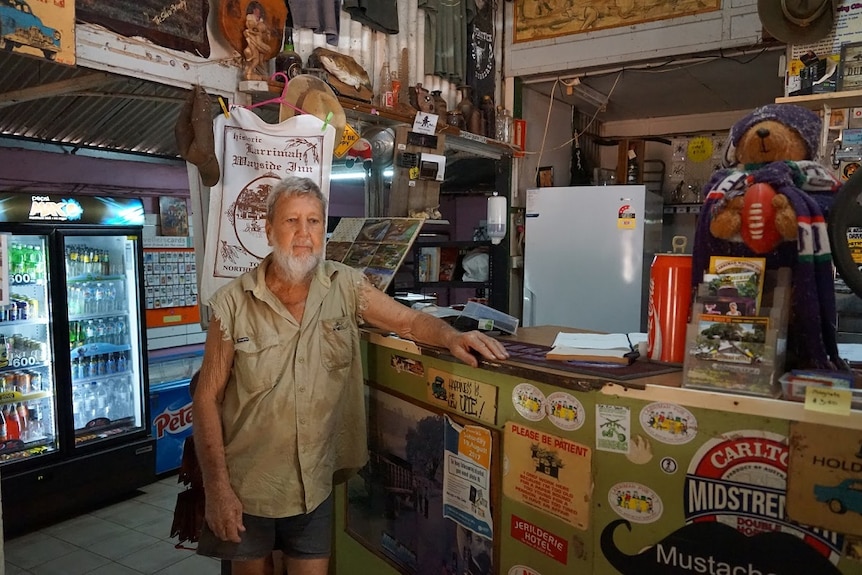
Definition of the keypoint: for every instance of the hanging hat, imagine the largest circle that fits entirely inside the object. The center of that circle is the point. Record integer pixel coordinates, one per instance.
(313, 96)
(194, 135)
(796, 21)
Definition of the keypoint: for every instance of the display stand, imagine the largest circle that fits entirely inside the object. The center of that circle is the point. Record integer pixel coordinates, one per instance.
(740, 354)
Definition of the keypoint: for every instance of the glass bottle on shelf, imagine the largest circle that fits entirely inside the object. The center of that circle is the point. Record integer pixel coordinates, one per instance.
(288, 61)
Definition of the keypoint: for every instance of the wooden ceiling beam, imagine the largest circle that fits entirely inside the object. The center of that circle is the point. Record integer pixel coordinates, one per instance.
(59, 88)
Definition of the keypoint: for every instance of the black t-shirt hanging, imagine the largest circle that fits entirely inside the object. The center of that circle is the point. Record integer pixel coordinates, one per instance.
(481, 64)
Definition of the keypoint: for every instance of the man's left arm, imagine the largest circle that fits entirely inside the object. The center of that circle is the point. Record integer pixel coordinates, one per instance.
(384, 312)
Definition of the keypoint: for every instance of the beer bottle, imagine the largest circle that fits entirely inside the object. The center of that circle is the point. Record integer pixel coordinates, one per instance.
(288, 61)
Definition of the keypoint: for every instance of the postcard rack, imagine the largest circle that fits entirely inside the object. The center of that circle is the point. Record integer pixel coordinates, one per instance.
(742, 354)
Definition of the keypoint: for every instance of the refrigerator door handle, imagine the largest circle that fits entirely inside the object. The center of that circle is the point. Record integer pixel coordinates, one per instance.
(529, 307)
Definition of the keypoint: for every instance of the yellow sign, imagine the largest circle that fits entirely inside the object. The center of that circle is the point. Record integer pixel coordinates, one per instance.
(699, 149)
(348, 138)
(465, 396)
(828, 400)
(549, 473)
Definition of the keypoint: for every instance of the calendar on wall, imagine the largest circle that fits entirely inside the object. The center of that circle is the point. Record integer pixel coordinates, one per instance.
(170, 286)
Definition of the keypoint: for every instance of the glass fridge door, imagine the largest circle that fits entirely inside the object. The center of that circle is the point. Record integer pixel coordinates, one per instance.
(104, 336)
(28, 405)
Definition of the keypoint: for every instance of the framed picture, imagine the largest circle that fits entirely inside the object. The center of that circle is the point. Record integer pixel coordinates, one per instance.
(850, 67)
(410, 504)
(545, 177)
(176, 25)
(174, 216)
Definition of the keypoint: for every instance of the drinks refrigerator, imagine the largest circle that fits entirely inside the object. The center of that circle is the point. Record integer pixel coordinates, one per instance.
(75, 419)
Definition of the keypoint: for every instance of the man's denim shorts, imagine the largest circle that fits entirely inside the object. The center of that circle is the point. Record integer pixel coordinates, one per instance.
(307, 536)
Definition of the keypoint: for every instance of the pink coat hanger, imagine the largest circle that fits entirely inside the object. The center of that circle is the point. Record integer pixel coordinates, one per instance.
(282, 99)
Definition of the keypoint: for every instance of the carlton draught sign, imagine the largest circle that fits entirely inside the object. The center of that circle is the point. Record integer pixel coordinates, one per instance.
(734, 507)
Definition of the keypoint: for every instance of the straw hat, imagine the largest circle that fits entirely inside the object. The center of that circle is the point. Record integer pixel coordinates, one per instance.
(797, 21)
(313, 96)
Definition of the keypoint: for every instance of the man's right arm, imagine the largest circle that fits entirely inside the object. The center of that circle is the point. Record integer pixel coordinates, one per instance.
(224, 512)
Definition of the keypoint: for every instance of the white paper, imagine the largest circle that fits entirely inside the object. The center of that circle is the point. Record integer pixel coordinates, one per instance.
(593, 340)
(851, 352)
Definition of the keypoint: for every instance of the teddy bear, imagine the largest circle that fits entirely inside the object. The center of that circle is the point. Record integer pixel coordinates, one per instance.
(770, 201)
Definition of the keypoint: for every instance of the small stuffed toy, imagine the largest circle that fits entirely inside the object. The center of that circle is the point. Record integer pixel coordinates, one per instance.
(771, 203)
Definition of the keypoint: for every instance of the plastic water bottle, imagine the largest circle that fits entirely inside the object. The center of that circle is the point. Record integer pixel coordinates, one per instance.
(121, 362)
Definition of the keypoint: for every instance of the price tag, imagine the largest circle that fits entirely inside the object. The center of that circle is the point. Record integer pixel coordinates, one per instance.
(828, 400)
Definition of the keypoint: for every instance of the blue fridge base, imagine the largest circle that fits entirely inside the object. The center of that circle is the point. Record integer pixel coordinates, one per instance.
(171, 410)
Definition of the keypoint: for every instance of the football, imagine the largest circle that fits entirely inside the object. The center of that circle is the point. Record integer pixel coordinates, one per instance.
(758, 219)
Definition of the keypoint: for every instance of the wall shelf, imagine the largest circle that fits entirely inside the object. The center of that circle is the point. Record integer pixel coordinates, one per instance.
(845, 99)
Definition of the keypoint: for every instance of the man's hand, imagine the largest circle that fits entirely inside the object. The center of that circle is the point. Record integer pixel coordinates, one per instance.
(224, 513)
(462, 344)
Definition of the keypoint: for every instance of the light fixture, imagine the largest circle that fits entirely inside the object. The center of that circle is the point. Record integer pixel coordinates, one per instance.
(587, 93)
(355, 175)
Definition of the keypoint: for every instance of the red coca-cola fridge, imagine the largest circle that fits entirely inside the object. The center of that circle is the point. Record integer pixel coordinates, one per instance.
(74, 415)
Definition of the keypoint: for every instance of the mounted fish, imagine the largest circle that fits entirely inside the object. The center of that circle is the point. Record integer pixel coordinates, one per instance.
(343, 74)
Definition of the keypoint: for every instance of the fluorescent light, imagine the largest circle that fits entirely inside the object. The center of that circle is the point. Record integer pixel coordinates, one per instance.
(342, 176)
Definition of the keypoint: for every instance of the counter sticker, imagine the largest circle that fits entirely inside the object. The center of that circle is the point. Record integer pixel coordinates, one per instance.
(462, 395)
(825, 488)
(403, 364)
(532, 535)
(739, 479)
(669, 465)
(549, 473)
(735, 520)
(635, 502)
(613, 428)
(522, 570)
(529, 401)
(640, 451)
(565, 411)
(669, 423)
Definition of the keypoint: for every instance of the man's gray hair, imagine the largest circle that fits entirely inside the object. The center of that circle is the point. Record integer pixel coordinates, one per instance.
(293, 187)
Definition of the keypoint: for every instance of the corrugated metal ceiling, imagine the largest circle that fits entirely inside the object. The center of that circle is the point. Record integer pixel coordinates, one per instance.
(44, 101)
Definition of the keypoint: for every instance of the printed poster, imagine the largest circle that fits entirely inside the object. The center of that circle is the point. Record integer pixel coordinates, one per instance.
(824, 486)
(39, 28)
(254, 156)
(467, 477)
(549, 473)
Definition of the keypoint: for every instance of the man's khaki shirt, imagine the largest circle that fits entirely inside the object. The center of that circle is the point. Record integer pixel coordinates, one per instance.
(294, 406)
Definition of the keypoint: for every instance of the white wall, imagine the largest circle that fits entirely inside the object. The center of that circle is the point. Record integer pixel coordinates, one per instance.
(549, 134)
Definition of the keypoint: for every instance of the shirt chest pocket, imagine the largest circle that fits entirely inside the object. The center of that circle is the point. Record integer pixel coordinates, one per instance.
(256, 361)
(336, 342)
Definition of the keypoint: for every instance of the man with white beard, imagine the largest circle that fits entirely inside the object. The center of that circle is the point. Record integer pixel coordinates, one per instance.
(279, 411)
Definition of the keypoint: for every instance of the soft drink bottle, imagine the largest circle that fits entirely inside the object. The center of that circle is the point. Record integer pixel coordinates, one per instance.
(13, 424)
(3, 428)
(23, 420)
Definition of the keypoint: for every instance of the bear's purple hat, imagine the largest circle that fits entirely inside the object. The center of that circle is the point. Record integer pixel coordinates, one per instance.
(800, 119)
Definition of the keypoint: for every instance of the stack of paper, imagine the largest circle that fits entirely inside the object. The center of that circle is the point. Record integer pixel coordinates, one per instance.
(595, 347)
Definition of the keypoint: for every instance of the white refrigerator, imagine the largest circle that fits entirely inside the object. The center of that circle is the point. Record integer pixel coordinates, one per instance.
(587, 256)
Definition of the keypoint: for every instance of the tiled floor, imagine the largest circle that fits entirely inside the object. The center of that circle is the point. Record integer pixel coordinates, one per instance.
(128, 538)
